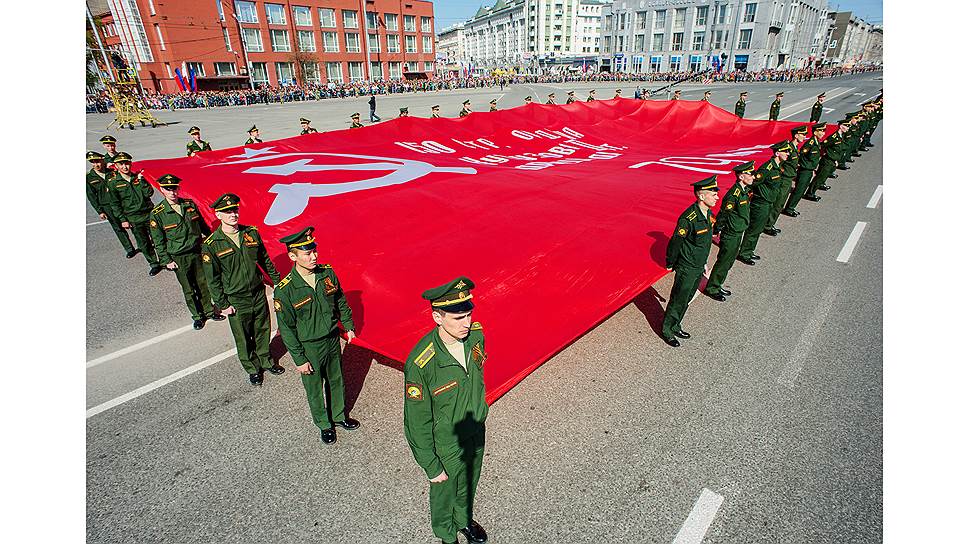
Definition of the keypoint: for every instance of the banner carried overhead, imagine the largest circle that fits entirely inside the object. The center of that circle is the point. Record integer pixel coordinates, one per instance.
(559, 214)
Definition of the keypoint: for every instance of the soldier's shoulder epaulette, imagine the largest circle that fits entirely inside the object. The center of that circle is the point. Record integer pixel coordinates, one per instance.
(425, 356)
(691, 216)
(284, 281)
(209, 239)
(736, 191)
(476, 326)
(328, 266)
(158, 209)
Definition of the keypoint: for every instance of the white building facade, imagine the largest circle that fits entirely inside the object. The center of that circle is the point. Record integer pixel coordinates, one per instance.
(588, 27)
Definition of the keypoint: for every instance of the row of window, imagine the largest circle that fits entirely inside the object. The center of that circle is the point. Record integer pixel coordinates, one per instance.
(310, 71)
(306, 40)
(303, 16)
(719, 40)
(656, 62)
(659, 19)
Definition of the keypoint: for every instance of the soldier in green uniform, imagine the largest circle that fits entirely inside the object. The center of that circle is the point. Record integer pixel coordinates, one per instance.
(851, 121)
(435, 111)
(571, 97)
(618, 94)
(809, 160)
(110, 144)
(740, 110)
(404, 112)
(310, 305)
(551, 99)
(465, 109)
(677, 95)
(98, 177)
(863, 123)
(196, 144)
(833, 149)
(128, 197)
(766, 185)
(444, 409)
(177, 229)
(817, 109)
(686, 254)
(253, 136)
(354, 121)
(305, 128)
(775, 107)
(705, 96)
(527, 99)
(788, 172)
(731, 222)
(591, 96)
(232, 257)
(493, 104)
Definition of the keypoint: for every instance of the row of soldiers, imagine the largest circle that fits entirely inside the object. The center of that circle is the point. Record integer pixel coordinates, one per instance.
(798, 168)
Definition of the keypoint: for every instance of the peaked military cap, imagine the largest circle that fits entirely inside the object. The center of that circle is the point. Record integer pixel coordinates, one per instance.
(744, 93)
(404, 110)
(226, 202)
(779, 93)
(708, 184)
(194, 130)
(169, 180)
(571, 92)
(253, 129)
(435, 107)
(303, 120)
(355, 116)
(121, 157)
(747, 167)
(466, 102)
(551, 94)
(94, 156)
(303, 239)
(108, 139)
(819, 126)
(802, 129)
(678, 91)
(619, 91)
(821, 95)
(783, 146)
(493, 101)
(707, 92)
(527, 98)
(454, 296)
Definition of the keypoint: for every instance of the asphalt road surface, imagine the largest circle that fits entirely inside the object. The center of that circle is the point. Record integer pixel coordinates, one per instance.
(765, 427)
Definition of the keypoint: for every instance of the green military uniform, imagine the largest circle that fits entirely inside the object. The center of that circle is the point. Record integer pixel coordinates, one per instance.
(788, 172)
(849, 140)
(109, 157)
(464, 111)
(863, 124)
(253, 140)
(444, 411)
(233, 275)
(129, 199)
(775, 108)
(309, 318)
(731, 222)
(817, 109)
(435, 111)
(876, 115)
(740, 109)
(766, 185)
(809, 157)
(686, 254)
(404, 112)
(571, 97)
(195, 146)
(95, 188)
(705, 96)
(177, 235)
(310, 130)
(493, 105)
(591, 96)
(833, 151)
(355, 118)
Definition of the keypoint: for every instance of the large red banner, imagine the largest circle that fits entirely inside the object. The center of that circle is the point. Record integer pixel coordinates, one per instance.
(560, 214)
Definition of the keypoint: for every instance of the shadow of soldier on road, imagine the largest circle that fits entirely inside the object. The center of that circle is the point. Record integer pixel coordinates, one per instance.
(356, 365)
(650, 304)
(658, 250)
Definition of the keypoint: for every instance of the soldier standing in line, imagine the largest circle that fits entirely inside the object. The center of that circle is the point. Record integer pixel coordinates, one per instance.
(129, 199)
(305, 128)
(527, 99)
(731, 223)
(445, 408)
(253, 136)
(435, 111)
(618, 94)
(232, 257)
(551, 99)
(571, 97)
(788, 172)
(177, 230)
(591, 96)
(817, 109)
(705, 96)
(766, 185)
(775, 107)
(465, 109)
(196, 144)
(404, 112)
(98, 177)
(354, 121)
(493, 104)
(110, 150)
(809, 161)
(687, 253)
(740, 109)
(310, 305)
(833, 149)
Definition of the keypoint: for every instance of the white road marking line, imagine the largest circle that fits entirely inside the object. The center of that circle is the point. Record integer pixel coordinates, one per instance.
(876, 197)
(117, 401)
(814, 99)
(693, 531)
(851, 242)
(97, 222)
(139, 345)
(790, 371)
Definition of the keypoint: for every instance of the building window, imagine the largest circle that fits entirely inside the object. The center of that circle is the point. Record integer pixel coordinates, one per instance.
(310, 72)
(352, 42)
(697, 39)
(334, 72)
(168, 70)
(409, 23)
(221, 14)
(196, 67)
(720, 16)
(640, 42)
(675, 64)
(259, 73)
(428, 66)
(373, 42)
(695, 63)
(393, 43)
(655, 63)
(349, 19)
(246, 12)
(302, 15)
(701, 13)
(677, 41)
(327, 18)
(225, 68)
(679, 19)
(279, 40)
(749, 15)
(356, 71)
(306, 41)
(376, 70)
(161, 41)
(275, 14)
(660, 17)
(428, 44)
(411, 44)
(372, 21)
(330, 42)
(253, 40)
(395, 72)
(657, 40)
(425, 24)
(284, 73)
(745, 36)
(411, 66)
(390, 19)
(151, 6)
(228, 42)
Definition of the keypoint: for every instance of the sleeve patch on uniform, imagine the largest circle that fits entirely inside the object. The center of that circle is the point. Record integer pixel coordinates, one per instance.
(446, 387)
(477, 353)
(425, 356)
(682, 232)
(277, 304)
(206, 257)
(729, 206)
(153, 223)
(414, 391)
(302, 302)
(328, 285)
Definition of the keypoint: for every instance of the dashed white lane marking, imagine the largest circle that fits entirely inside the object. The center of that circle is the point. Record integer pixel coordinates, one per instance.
(876, 197)
(139, 345)
(163, 381)
(790, 371)
(693, 531)
(851, 242)
(829, 98)
(97, 222)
